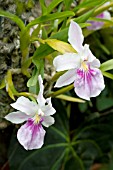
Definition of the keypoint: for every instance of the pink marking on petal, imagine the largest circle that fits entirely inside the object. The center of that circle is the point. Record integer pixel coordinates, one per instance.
(100, 15)
(88, 83)
(31, 135)
(33, 127)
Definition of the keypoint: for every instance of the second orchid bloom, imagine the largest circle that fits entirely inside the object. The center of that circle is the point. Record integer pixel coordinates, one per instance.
(31, 134)
(82, 67)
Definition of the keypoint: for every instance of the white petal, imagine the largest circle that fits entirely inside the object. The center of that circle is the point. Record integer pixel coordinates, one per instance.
(97, 84)
(76, 37)
(89, 84)
(17, 117)
(48, 109)
(66, 61)
(87, 54)
(40, 99)
(66, 79)
(95, 63)
(48, 121)
(31, 136)
(107, 15)
(25, 105)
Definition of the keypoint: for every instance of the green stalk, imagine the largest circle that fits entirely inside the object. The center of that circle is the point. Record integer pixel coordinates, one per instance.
(63, 90)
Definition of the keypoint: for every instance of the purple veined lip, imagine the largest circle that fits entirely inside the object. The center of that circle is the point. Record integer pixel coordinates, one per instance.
(34, 127)
(84, 75)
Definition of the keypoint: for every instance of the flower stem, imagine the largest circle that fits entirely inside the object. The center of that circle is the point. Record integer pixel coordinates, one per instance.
(63, 90)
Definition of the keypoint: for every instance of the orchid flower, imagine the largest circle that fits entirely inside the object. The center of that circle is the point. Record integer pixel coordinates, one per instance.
(31, 134)
(96, 25)
(83, 67)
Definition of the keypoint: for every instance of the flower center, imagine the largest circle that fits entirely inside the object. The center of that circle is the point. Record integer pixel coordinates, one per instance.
(37, 119)
(84, 66)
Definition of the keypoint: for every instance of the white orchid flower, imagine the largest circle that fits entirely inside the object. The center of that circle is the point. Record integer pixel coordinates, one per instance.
(83, 67)
(31, 134)
(96, 25)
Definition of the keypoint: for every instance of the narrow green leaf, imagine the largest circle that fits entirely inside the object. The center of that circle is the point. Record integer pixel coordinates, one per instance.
(42, 52)
(62, 90)
(14, 18)
(24, 44)
(52, 5)
(9, 85)
(68, 3)
(40, 66)
(108, 65)
(54, 167)
(89, 4)
(88, 141)
(33, 80)
(36, 32)
(108, 75)
(43, 7)
(77, 158)
(50, 17)
(25, 67)
(102, 8)
(85, 16)
(69, 98)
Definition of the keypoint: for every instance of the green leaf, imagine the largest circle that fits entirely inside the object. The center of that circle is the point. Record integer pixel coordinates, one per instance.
(43, 7)
(44, 49)
(14, 18)
(68, 3)
(52, 5)
(103, 8)
(87, 150)
(69, 98)
(74, 161)
(25, 67)
(40, 66)
(85, 16)
(108, 65)
(41, 52)
(89, 4)
(34, 78)
(104, 103)
(9, 85)
(62, 90)
(108, 75)
(24, 44)
(60, 46)
(50, 17)
(35, 32)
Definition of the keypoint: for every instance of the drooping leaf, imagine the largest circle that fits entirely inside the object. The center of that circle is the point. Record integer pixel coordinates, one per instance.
(9, 85)
(14, 18)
